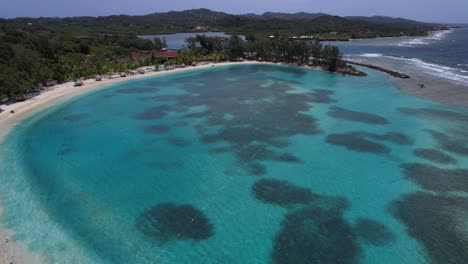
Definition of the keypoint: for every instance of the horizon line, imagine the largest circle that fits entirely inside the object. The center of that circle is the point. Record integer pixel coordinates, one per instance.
(236, 14)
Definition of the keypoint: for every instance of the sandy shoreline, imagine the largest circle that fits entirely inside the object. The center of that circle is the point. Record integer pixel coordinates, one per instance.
(62, 92)
(11, 252)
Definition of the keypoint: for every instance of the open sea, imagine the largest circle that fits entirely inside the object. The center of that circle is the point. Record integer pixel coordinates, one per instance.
(443, 54)
(241, 164)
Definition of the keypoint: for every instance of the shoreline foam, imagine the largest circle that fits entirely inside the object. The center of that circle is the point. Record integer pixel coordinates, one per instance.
(442, 84)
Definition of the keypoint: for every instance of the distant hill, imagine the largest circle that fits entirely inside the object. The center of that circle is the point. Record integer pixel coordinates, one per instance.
(287, 16)
(385, 19)
(208, 20)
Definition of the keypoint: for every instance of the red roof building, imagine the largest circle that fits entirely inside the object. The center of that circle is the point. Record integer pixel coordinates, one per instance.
(167, 54)
(83, 37)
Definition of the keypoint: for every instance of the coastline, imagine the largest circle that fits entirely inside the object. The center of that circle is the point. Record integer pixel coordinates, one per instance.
(13, 252)
(436, 88)
(65, 91)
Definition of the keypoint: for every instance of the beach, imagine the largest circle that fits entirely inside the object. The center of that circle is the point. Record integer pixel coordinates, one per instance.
(11, 252)
(62, 92)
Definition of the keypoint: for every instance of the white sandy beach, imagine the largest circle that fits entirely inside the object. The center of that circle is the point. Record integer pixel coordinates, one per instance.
(11, 252)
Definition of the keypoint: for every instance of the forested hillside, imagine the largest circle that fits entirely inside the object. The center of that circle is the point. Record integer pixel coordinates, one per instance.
(204, 19)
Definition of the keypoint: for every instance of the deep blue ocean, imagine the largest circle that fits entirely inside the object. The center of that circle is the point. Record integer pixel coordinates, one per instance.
(443, 53)
(241, 164)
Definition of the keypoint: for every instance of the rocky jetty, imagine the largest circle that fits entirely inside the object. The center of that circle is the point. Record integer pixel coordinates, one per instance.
(377, 68)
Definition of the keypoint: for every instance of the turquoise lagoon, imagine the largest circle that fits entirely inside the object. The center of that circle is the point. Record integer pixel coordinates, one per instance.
(241, 164)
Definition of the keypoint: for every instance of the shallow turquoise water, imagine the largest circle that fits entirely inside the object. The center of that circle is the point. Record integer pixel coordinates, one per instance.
(241, 164)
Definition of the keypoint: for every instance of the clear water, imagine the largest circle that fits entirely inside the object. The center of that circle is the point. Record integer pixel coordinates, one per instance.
(241, 164)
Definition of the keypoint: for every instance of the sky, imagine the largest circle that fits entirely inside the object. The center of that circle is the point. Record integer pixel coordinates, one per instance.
(448, 11)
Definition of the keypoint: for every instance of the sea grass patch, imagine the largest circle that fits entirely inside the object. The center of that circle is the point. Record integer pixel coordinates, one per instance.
(178, 142)
(168, 221)
(362, 117)
(394, 137)
(434, 155)
(157, 129)
(457, 145)
(288, 157)
(373, 232)
(153, 113)
(77, 117)
(437, 222)
(260, 119)
(65, 150)
(281, 193)
(180, 124)
(433, 113)
(357, 142)
(166, 165)
(256, 169)
(138, 90)
(437, 179)
(315, 235)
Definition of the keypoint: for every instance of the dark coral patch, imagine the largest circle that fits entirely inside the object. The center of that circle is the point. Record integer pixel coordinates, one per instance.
(322, 96)
(254, 152)
(138, 90)
(180, 124)
(179, 142)
(432, 113)
(166, 165)
(345, 114)
(256, 169)
(77, 117)
(356, 142)
(434, 156)
(168, 221)
(451, 144)
(438, 222)
(244, 115)
(281, 193)
(196, 115)
(437, 179)
(157, 129)
(394, 137)
(65, 150)
(152, 113)
(287, 157)
(373, 232)
(315, 235)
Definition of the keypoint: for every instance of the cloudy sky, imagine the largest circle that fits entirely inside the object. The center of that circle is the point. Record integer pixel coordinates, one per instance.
(450, 11)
